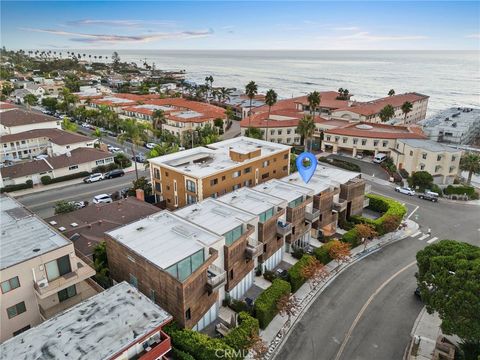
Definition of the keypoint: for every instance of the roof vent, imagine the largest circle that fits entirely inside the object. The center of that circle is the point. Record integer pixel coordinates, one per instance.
(74, 224)
(52, 222)
(36, 250)
(61, 228)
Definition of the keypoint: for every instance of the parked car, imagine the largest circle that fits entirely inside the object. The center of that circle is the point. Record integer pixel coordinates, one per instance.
(139, 158)
(102, 199)
(405, 190)
(111, 133)
(417, 293)
(429, 195)
(113, 149)
(379, 158)
(150, 145)
(359, 156)
(113, 174)
(78, 204)
(93, 178)
(41, 156)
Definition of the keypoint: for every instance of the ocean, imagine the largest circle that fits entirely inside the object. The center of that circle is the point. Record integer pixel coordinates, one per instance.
(450, 78)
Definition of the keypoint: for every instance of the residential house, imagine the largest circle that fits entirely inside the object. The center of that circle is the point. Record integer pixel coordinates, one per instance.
(16, 121)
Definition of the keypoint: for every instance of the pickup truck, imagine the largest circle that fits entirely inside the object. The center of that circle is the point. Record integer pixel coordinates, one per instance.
(429, 195)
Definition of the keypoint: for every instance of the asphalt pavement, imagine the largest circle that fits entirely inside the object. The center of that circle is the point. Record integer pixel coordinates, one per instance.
(366, 165)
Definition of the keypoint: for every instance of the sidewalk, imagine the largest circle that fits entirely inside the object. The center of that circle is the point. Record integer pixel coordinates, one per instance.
(278, 330)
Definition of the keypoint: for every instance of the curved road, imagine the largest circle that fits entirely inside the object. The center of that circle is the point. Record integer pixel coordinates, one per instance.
(368, 311)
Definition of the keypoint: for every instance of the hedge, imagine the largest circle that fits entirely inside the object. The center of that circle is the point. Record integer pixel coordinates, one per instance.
(105, 168)
(323, 253)
(295, 276)
(239, 338)
(48, 180)
(265, 307)
(459, 190)
(181, 355)
(27, 185)
(340, 163)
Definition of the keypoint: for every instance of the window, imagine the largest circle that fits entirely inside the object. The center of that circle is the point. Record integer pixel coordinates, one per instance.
(57, 268)
(231, 274)
(437, 168)
(166, 173)
(5, 145)
(174, 185)
(285, 157)
(184, 268)
(133, 281)
(328, 138)
(337, 138)
(355, 141)
(424, 155)
(236, 174)
(191, 186)
(223, 178)
(266, 215)
(191, 199)
(411, 153)
(266, 163)
(236, 186)
(188, 314)
(152, 295)
(285, 168)
(213, 182)
(176, 200)
(289, 140)
(16, 310)
(439, 157)
(422, 167)
(73, 167)
(158, 187)
(384, 143)
(156, 173)
(99, 162)
(454, 158)
(344, 140)
(233, 235)
(296, 202)
(375, 142)
(15, 333)
(247, 183)
(289, 131)
(247, 170)
(67, 293)
(266, 175)
(364, 142)
(9, 285)
(272, 132)
(452, 169)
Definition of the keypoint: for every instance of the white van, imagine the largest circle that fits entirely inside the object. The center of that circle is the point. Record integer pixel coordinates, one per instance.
(380, 157)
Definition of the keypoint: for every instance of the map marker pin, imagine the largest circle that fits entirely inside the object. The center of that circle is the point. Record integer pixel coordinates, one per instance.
(306, 172)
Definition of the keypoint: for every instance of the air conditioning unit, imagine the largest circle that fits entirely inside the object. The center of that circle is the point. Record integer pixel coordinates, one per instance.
(42, 283)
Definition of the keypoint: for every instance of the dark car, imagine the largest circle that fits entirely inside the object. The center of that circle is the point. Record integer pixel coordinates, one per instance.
(417, 293)
(429, 195)
(114, 173)
(139, 158)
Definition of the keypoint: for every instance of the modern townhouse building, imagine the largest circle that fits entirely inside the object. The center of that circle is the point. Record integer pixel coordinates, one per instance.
(118, 324)
(370, 111)
(192, 175)
(441, 161)
(16, 121)
(177, 264)
(241, 247)
(299, 202)
(52, 142)
(40, 275)
(272, 227)
(358, 137)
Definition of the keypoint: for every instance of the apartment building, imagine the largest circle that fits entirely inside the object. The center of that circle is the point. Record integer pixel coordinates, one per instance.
(192, 175)
(241, 247)
(177, 264)
(40, 275)
(460, 126)
(116, 102)
(358, 137)
(441, 161)
(272, 227)
(119, 323)
(370, 111)
(52, 142)
(17, 121)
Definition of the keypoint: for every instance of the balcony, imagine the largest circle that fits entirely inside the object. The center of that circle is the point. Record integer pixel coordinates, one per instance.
(366, 202)
(217, 277)
(253, 250)
(340, 205)
(155, 348)
(312, 215)
(284, 229)
(45, 288)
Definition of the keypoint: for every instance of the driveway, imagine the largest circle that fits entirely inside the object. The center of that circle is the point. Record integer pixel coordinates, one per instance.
(366, 166)
(234, 130)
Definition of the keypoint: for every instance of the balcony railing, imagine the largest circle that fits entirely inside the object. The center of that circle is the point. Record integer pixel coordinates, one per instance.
(44, 288)
(217, 277)
(312, 215)
(283, 229)
(340, 205)
(156, 349)
(253, 250)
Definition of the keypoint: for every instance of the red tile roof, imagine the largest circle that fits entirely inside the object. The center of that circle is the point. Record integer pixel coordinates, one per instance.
(127, 97)
(57, 136)
(17, 117)
(380, 131)
(5, 106)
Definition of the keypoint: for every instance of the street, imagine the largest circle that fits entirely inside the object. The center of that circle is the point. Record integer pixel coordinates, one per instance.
(369, 310)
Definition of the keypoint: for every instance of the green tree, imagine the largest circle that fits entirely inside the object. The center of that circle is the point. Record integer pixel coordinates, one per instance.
(229, 115)
(251, 90)
(407, 107)
(100, 264)
(391, 92)
(254, 133)
(50, 103)
(218, 122)
(293, 163)
(470, 162)
(30, 100)
(72, 82)
(69, 99)
(63, 207)
(122, 160)
(306, 128)
(421, 179)
(387, 113)
(136, 134)
(141, 183)
(98, 135)
(270, 99)
(162, 149)
(313, 99)
(7, 88)
(115, 60)
(448, 278)
(69, 125)
(159, 119)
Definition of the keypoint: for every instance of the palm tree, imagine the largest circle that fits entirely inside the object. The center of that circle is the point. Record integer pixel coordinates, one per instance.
(306, 128)
(136, 134)
(159, 119)
(270, 99)
(229, 114)
(407, 106)
(208, 86)
(313, 99)
(225, 94)
(470, 162)
(387, 113)
(251, 90)
(391, 92)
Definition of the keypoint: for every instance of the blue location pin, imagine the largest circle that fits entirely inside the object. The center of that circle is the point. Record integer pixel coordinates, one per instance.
(306, 172)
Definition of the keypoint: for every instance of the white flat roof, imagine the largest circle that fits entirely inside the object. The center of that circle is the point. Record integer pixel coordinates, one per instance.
(96, 329)
(252, 201)
(206, 161)
(429, 145)
(215, 216)
(164, 238)
(322, 179)
(283, 190)
(24, 235)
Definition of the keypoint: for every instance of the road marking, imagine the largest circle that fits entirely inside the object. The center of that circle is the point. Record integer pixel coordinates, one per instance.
(409, 216)
(424, 237)
(416, 234)
(362, 310)
(432, 240)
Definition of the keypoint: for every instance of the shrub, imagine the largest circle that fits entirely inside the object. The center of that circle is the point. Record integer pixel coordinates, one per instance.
(403, 173)
(340, 163)
(344, 224)
(421, 179)
(437, 189)
(298, 253)
(239, 306)
(323, 253)
(181, 355)
(28, 185)
(48, 180)
(269, 275)
(122, 160)
(105, 168)
(265, 307)
(351, 237)
(459, 190)
(240, 337)
(295, 276)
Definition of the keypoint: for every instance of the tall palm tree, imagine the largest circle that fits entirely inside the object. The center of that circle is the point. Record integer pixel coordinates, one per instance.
(270, 99)
(407, 106)
(136, 134)
(470, 162)
(313, 99)
(225, 94)
(387, 113)
(306, 128)
(251, 90)
(159, 119)
(208, 86)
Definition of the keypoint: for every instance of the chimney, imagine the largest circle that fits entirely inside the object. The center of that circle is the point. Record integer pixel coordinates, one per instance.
(140, 194)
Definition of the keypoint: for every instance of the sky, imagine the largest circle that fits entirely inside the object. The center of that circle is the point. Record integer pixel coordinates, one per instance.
(259, 25)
